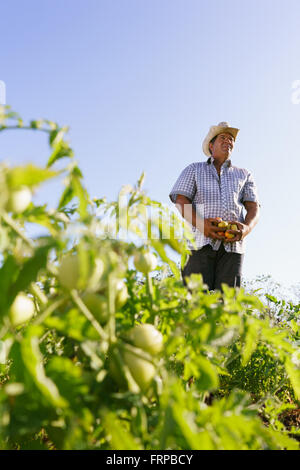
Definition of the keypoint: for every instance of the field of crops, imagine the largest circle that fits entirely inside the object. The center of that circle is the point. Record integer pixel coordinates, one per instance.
(101, 345)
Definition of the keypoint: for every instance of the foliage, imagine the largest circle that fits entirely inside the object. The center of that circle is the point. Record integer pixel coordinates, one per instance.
(224, 379)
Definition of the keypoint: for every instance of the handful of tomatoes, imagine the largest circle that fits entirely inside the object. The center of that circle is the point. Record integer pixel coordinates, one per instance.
(223, 224)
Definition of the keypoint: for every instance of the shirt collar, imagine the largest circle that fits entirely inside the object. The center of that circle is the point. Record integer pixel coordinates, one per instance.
(226, 164)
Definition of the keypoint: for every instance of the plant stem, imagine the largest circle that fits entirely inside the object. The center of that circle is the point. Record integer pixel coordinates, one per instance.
(26, 128)
(11, 223)
(111, 309)
(37, 292)
(48, 311)
(150, 287)
(151, 296)
(83, 308)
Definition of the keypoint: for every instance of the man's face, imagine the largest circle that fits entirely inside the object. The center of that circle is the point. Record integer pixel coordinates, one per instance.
(223, 145)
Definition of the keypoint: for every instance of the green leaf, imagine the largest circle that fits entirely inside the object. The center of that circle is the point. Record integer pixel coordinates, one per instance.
(8, 274)
(294, 376)
(158, 246)
(119, 436)
(56, 136)
(61, 150)
(251, 339)
(29, 175)
(34, 124)
(33, 361)
(30, 270)
(186, 422)
(141, 180)
(272, 298)
(68, 378)
(39, 215)
(72, 324)
(66, 197)
(207, 375)
(82, 195)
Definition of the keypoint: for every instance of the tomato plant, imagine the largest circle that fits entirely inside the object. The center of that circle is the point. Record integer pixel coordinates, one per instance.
(91, 352)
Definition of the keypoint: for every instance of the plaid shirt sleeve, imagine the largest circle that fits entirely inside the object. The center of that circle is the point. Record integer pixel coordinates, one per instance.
(250, 190)
(185, 184)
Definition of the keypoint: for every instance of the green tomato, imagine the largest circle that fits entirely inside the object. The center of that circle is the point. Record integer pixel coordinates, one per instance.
(97, 304)
(21, 310)
(145, 262)
(121, 294)
(141, 370)
(223, 224)
(68, 271)
(148, 338)
(19, 200)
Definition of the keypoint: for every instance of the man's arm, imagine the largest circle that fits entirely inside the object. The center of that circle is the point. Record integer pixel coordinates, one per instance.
(188, 212)
(252, 215)
(251, 219)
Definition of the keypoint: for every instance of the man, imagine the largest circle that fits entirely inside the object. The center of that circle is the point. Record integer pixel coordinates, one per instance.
(208, 191)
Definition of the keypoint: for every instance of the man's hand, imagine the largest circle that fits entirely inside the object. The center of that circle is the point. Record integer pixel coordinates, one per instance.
(211, 229)
(209, 226)
(240, 233)
(206, 226)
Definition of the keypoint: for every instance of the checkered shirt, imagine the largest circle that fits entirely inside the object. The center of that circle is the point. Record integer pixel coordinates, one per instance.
(214, 196)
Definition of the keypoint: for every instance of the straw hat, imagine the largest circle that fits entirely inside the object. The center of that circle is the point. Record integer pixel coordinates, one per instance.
(216, 130)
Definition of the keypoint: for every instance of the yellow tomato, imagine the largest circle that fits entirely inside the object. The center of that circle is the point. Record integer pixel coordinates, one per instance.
(223, 224)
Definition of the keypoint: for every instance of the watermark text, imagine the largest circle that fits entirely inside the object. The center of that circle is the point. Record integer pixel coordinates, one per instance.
(2, 93)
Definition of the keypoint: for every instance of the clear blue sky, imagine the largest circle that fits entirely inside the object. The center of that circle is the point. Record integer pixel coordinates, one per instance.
(141, 81)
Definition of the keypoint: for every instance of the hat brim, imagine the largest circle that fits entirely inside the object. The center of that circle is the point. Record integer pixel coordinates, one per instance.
(213, 132)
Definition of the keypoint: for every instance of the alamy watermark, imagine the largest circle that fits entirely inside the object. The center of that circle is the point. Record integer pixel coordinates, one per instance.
(2, 93)
(148, 221)
(295, 96)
